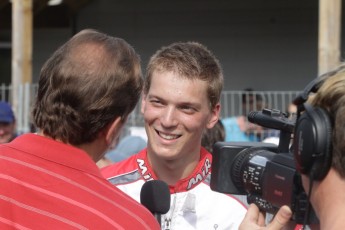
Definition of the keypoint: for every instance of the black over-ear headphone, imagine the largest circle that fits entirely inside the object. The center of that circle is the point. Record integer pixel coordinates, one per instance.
(312, 144)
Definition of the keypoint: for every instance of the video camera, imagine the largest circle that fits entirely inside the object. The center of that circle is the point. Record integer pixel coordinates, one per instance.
(266, 173)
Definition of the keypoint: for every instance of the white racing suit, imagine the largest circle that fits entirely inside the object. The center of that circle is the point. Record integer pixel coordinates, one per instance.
(193, 204)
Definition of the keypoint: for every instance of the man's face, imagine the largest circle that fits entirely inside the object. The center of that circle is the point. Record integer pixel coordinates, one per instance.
(176, 111)
(7, 131)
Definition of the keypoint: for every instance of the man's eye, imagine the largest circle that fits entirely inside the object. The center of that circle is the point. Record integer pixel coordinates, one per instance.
(188, 109)
(156, 102)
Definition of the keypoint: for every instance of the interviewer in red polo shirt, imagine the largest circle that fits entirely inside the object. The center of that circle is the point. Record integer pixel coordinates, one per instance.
(49, 180)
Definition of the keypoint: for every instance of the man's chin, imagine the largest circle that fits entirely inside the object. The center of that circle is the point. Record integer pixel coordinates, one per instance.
(164, 152)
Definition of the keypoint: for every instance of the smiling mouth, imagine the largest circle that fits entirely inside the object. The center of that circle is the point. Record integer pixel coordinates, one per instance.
(167, 136)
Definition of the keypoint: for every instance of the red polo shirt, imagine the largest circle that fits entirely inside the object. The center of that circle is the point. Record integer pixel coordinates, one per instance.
(45, 184)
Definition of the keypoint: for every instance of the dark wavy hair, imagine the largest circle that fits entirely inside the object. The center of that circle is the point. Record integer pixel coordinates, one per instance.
(88, 82)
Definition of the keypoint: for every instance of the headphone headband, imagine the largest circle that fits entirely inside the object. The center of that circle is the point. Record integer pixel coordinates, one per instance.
(315, 84)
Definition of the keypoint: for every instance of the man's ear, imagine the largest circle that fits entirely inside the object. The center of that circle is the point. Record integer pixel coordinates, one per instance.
(214, 117)
(113, 131)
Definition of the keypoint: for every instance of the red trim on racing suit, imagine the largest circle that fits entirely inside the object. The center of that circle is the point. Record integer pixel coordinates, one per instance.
(193, 204)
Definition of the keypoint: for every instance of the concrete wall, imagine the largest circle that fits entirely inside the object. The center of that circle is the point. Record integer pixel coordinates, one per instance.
(263, 44)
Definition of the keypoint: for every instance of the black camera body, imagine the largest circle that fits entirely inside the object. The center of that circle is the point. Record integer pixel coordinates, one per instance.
(266, 173)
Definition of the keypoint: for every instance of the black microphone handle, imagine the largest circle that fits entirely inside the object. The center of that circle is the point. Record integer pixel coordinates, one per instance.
(267, 121)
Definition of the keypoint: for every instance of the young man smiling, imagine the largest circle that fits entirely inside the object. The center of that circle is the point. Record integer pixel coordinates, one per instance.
(180, 101)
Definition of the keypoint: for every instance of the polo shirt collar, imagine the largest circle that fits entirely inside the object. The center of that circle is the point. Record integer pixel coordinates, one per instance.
(56, 151)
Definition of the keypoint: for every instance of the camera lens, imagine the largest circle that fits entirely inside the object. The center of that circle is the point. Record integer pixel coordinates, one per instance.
(248, 169)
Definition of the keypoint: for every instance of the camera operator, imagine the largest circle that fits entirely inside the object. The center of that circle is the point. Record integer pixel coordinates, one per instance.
(323, 171)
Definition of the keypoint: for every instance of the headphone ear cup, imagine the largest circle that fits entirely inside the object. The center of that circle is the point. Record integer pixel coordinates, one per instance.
(312, 142)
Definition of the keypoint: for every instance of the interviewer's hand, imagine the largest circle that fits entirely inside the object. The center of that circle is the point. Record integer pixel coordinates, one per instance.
(254, 219)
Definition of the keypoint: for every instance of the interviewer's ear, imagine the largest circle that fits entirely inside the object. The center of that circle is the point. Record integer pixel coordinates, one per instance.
(113, 131)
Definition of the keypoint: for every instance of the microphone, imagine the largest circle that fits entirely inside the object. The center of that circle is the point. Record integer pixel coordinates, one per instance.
(155, 196)
(273, 119)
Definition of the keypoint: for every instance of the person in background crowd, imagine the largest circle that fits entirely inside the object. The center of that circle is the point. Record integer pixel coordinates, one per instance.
(239, 128)
(7, 123)
(292, 111)
(180, 100)
(49, 180)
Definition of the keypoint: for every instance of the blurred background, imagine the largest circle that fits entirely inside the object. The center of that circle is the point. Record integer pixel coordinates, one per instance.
(271, 46)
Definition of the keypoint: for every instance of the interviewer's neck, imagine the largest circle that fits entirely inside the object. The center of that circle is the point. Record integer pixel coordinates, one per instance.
(94, 149)
(330, 201)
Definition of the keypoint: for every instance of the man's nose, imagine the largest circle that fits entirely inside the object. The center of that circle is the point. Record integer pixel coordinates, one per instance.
(168, 118)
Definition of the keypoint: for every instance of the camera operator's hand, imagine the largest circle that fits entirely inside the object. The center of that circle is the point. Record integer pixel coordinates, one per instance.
(254, 219)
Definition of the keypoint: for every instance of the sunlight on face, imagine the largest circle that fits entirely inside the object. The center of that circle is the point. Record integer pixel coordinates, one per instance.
(176, 111)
